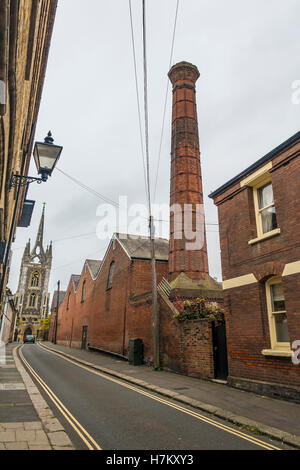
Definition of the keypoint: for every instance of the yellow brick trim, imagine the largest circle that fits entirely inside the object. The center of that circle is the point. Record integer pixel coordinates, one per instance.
(258, 176)
(291, 268)
(239, 281)
(277, 352)
(265, 236)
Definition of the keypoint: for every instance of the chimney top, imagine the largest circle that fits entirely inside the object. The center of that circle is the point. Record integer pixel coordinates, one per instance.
(184, 71)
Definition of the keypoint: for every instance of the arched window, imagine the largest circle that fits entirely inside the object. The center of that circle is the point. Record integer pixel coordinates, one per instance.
(111, 275)
(35, 279)
(68, 303)
(32, 300)
(83, 292)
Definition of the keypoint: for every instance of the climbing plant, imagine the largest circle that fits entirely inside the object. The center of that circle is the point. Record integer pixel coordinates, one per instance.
(198, 309)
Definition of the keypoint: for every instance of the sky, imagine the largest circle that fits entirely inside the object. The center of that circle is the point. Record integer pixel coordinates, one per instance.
(247, 54)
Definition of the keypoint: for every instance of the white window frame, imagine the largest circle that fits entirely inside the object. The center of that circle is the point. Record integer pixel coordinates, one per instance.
(256, 180)
(258, 211)
(275, 345)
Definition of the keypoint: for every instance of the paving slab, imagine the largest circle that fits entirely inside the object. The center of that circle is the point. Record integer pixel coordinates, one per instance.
(21, 427)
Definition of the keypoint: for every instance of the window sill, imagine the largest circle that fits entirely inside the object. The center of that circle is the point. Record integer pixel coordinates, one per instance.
(265, 236)
(277, 352)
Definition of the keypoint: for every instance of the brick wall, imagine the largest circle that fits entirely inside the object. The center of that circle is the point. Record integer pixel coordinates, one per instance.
(113, 316)
(185, 347)
(124, 312)
(245, 306)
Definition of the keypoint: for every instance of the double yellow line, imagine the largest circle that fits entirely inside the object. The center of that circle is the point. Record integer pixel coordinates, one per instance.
(182, 409)
(78, 428)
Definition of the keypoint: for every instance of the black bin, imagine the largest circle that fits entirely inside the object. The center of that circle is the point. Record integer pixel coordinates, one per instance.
(136, 352)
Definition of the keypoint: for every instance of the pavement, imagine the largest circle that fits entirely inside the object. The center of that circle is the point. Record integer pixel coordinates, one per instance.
(26, 422)
(274, 418)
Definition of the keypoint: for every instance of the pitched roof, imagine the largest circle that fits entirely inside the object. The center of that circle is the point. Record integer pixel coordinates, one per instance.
(138, 247)
(94, 265)
(257, 164)
(76, 279)
(62, 295)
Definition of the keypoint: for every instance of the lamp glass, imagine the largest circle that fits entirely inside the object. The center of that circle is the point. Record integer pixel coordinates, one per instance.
(46, 156)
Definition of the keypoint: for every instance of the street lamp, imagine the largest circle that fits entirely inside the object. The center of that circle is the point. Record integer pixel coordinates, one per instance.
(46, 155)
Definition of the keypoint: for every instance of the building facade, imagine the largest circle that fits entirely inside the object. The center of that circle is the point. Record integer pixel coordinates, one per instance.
(26, 29)
(260, 248)
(110, 303)
(57, 299)
(8, 319)
(32, 297)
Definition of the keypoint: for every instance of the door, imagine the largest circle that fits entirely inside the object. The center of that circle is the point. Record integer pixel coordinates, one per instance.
(220, 352)
(84, 337)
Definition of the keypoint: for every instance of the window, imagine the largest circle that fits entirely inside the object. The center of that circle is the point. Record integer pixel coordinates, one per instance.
(111, 275)
(265, 212)
(35, 279)
(83, 292)
(68, 303)
(32, 300)
(266, 208)
(279, 333)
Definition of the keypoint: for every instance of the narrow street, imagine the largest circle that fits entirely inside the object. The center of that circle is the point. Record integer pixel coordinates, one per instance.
(100, 412)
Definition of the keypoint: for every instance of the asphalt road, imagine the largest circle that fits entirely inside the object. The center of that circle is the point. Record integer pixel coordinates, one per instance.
(118, 416)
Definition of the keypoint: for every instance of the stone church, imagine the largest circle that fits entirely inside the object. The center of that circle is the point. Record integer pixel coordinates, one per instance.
(32, 297)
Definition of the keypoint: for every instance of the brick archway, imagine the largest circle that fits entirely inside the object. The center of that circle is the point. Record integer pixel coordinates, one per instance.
(271, 269)
(29, 327)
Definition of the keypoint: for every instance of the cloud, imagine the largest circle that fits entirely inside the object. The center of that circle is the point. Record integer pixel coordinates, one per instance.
(246, 53)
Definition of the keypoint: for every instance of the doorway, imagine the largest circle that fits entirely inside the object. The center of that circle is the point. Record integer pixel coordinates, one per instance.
(220, 351)
(28, 332)
(84, 337)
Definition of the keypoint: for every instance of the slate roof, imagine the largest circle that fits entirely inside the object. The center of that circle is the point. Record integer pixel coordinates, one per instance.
(62, 295)
(94, 265)
(76, 279)
(138, 247)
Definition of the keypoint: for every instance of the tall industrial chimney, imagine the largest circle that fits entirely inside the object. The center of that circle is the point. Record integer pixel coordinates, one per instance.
(186, 181)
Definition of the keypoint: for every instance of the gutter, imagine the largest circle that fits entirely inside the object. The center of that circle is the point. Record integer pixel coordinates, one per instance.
(257, 164)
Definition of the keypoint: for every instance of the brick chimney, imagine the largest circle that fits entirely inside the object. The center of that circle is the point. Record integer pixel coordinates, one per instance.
(186, 181)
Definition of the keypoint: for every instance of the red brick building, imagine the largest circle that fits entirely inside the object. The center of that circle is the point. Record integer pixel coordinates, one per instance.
(53, 310)
(260, 246)
(111, 301)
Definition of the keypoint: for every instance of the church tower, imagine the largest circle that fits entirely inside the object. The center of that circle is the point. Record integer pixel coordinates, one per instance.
(32, 298)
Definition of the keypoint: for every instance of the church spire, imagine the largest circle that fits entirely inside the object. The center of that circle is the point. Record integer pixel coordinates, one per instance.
(27, 250)
(40, 234)
(38, 249)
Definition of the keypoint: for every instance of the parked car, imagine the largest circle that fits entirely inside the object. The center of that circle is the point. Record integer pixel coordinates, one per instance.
(29, 339)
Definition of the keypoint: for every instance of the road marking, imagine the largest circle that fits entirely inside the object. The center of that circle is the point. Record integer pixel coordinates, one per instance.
(62, 408)
(194, 414)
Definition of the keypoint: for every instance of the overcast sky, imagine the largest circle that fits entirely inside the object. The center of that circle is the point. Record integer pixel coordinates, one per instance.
(248, 55)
